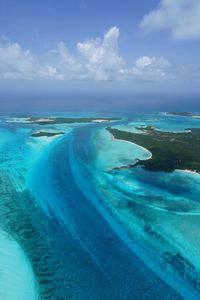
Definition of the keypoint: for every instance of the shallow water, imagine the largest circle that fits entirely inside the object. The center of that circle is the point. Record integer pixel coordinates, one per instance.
(161, 121)
(81, 224)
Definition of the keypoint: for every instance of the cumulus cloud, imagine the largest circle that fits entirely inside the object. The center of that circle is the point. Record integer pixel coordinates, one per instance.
(63, 51)
(146, 61)
(95, 59)
(17, 63)
(148, 69)
(100, 56)
(179, 17)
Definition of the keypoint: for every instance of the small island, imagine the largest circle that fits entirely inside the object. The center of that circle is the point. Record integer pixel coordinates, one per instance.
(183, 114)
(63, 120)
(169, 150)
(46, 134)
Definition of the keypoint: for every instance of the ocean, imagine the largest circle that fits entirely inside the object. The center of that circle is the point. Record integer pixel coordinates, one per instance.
(71, 227)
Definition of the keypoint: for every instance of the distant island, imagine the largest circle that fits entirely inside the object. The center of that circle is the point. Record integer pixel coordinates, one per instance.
(169, 150)
(183, 114)
(63, 120)
(47, 134)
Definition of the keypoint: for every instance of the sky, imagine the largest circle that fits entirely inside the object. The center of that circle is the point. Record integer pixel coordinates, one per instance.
(91, 45)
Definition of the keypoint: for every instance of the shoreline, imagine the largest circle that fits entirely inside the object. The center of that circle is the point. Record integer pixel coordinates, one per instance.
(150, 154)
(189, 171)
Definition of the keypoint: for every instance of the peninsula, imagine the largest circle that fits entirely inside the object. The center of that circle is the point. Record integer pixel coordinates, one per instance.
(169, 150)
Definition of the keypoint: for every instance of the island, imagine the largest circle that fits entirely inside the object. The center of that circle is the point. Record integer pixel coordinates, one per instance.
(183, 114)
(64, 120)
(169, 150)
(46, 134)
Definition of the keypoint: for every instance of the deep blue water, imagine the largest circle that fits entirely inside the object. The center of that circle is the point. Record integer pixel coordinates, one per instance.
(41, 101)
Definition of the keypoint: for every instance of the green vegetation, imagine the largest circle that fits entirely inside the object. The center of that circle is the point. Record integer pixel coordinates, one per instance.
(170, 151)
(63, 120)
(48, 134)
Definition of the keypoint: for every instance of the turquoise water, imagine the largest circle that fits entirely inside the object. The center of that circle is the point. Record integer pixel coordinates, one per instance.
(161, 121)
(17, 278)
(77, 228)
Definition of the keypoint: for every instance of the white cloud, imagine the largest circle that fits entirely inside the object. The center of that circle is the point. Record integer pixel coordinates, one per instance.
(180, 17)
(64, 53)
(16, 63)
(100, 56)
(95, 59)
(144, 62)
(49, 72)
(147, 62)
(148, 69)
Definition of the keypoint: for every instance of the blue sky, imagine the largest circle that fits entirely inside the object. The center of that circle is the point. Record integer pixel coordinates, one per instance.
(129, 45)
